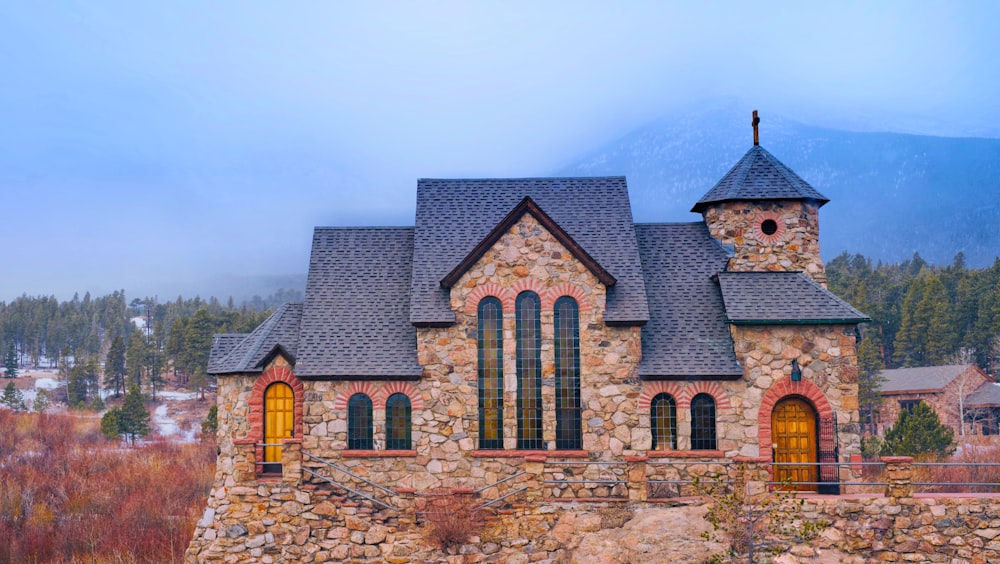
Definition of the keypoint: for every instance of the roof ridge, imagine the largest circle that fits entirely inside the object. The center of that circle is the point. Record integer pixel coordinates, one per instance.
(746, 163)
(263, 331)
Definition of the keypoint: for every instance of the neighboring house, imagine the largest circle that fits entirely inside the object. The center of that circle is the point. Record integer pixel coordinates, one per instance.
(950, 390)
(532, 321)
(984, 409)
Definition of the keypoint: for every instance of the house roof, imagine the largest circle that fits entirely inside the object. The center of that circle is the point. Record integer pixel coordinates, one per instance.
(280, 329)
(782, 298)
(687, 335)
(222, 345)
(355, 320)
(988, 395)
(454, 215)
(528, 206)
(920, 379)
(759, 176)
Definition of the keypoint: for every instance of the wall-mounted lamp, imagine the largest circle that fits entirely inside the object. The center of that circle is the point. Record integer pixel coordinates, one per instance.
(796, 371)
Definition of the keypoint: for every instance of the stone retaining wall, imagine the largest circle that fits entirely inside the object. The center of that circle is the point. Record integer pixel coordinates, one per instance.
(276, 522)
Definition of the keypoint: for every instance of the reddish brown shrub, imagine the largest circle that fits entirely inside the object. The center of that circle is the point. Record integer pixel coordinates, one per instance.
(453, 517)
(69, 495)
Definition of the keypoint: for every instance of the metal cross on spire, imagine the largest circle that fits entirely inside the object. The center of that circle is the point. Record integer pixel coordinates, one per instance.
(755, 123)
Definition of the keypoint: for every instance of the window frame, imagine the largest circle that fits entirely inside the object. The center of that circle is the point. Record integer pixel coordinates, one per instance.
(657, 419)
(528, 338)
(566, 337)
(704, 422)
(489, 372)
(360, 426)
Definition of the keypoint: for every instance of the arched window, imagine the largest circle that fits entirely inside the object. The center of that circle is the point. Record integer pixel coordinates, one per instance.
(279, 424)
(359, 422)
(567, 349)
(529, 371)
(490, 348)
(703, 422)
(663, 422)
(397, 422)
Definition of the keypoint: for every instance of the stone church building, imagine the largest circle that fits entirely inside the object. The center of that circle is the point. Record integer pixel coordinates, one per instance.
(531, 321)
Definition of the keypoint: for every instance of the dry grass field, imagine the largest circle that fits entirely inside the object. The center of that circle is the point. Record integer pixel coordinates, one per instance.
(69, 495)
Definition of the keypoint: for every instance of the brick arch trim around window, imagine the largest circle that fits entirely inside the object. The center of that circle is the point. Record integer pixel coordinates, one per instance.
(682, 393)
(256, 415)
(805, 389)
(508, 296)
(379, 393)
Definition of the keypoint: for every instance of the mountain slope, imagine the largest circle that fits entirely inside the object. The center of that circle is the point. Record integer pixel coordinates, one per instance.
(891, 194)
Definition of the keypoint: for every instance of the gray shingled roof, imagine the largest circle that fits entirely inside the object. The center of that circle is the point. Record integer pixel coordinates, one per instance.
(920, 378)
(222, 345)
(687, 335)
(280, 329)
(775, 298)
(356, 315)
(988, 395)
(453, 216)
(759, 176)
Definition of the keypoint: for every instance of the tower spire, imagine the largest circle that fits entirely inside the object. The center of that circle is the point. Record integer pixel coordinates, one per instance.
(755, 123)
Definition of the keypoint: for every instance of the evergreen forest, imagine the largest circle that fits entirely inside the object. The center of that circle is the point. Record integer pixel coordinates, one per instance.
(129, 342)
(922, 315)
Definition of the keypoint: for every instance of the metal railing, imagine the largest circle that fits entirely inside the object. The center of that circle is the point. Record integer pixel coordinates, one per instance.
(345, 487)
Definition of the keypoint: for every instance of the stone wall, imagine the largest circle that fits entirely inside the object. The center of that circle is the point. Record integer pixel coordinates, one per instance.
(273, 521)
(795, 246)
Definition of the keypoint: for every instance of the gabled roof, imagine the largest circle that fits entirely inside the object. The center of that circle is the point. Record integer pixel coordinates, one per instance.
(759, 176)
(920, 379)
(782, 298)
(355, 322)
(988, 395)
(281, 328)
(452, 215)
(528, 206)
(687, 335)
(222, 345)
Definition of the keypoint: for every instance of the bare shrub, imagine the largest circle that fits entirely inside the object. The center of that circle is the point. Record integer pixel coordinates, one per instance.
(453, 517)
(69, 495)
(615, 515)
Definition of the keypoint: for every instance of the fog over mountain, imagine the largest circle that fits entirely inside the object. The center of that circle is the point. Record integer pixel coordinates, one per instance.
(890, 194)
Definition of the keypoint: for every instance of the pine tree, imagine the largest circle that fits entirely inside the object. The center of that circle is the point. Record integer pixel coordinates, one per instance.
(114, 366)
(110, 427)
(870, 380)
(10, 362)
(133, 422)
(13, 398)
(211, 423)
(41, 402)
(919, 433)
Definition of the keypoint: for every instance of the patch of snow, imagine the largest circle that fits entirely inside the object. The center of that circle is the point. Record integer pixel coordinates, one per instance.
(167, 426)
(176, 396)
(47, 383)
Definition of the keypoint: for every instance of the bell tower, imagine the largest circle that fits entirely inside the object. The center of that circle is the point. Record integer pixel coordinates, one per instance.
(767, 214)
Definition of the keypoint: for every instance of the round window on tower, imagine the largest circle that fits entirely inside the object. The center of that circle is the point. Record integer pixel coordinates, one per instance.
(769, 228)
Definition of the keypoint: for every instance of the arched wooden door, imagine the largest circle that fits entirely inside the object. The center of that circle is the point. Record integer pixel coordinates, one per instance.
(278, 423)
(793, 431)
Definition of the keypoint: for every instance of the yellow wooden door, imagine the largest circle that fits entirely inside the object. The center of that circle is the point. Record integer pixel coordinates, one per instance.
(793, 428)
(278, 419)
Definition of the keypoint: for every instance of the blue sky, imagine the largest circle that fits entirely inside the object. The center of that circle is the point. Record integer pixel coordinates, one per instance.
(170, 147)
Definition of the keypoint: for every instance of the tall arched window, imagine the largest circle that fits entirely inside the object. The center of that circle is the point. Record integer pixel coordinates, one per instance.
(490, 347)
(663, 422)
(397, 422)
(529, 371)
(359, 422)
(703, 422)
(279, 423)
(567, 348)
